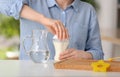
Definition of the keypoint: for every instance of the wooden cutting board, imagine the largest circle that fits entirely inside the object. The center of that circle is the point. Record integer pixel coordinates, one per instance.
(85, 65)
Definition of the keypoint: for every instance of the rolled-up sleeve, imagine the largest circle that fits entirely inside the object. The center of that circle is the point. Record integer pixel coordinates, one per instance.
(94, 41)
(11, 7)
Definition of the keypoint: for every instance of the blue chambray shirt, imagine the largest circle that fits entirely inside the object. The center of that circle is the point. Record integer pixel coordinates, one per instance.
(79, 18)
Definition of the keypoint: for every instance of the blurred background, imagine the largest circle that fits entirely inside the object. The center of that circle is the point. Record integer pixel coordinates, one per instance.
(109, 19)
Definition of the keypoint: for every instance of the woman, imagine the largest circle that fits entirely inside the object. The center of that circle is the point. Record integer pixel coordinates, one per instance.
(78, 18)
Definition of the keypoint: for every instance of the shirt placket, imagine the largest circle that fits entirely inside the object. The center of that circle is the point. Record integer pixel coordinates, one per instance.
(63, 18)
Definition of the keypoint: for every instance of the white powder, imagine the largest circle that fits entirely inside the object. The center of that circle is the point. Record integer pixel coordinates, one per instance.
(60, 46)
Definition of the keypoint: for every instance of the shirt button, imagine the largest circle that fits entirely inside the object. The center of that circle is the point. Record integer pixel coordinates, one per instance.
(63, 12)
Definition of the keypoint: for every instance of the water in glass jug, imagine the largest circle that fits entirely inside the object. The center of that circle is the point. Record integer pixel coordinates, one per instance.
(39, 51)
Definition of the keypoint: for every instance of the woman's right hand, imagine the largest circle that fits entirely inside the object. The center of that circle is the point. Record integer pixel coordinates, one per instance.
(56, 27)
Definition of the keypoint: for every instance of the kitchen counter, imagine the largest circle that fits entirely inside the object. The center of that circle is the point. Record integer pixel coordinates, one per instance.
(22, 68)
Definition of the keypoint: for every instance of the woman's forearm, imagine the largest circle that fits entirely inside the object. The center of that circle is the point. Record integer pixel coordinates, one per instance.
(54, 26)
(29, 13)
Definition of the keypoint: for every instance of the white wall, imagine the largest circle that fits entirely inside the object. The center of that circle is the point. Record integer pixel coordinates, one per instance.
(107, 15)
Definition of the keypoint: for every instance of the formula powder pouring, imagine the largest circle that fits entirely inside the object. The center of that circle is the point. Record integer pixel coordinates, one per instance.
(60, 46)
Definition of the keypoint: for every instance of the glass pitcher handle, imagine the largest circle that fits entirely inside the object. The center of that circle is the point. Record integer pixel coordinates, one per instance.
(27, 37)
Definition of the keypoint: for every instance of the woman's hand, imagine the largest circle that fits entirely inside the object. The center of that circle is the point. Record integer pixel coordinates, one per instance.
(75, 54)
(56, 27)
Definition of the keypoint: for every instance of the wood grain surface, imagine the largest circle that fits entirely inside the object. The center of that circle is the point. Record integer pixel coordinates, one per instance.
(84, 65)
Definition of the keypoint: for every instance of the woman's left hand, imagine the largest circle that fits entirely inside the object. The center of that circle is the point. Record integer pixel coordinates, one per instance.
(75, 54)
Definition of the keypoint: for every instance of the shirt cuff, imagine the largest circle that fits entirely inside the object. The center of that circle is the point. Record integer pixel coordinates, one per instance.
(96, 54)
(16, 9)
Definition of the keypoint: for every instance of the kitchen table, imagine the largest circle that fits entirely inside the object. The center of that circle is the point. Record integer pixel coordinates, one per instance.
(27, 68)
